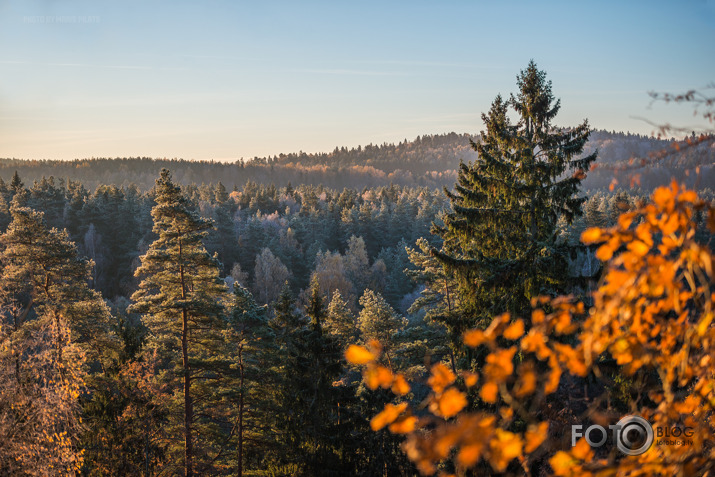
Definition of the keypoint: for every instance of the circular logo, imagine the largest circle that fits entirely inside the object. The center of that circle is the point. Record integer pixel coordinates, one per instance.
(634, 435)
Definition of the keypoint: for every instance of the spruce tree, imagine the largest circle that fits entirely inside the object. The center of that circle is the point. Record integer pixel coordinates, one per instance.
(500, 236)
(16, 184)
(250, 387)
(179, 298)
(379, 321)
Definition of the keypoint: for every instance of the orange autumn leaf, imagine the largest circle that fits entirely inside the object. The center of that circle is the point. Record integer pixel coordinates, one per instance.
(625, 220)
(470, 379)
(441, 377)
(688, 196)
(538, 316)
(387, 416)
(663, 197)
(469, 454)
(604, 252)
(526, 384)
(446, 440)
(506, 413)
(514, 331)
(499, 364)
(449, 403)
(400, 385)
(474, 338)
(638, 247)
(671, 224)
(488, 392)
(358, 355)
(582, 450)
(535, 435)
(561, 463)
(535, 342)
(573, 361)
(403, 425)
(378, 376)
(505, 447)
(554, 378)
(591, 235)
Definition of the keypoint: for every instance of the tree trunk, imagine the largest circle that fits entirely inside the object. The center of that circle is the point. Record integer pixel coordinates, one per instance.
(240, 414)
(188, 407)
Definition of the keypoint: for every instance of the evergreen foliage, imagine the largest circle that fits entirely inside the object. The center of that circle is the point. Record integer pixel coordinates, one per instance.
(179, 297)
(500, 236)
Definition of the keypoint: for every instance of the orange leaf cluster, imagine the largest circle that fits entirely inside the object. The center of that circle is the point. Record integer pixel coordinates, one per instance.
(652, 313)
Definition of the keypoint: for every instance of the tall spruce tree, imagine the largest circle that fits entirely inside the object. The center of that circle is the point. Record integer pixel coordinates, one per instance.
(500, 236)
(179, 298)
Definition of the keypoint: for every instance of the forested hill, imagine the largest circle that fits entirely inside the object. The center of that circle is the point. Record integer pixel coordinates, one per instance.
(429, 160)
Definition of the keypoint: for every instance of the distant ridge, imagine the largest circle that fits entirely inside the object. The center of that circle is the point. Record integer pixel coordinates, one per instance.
(429, 161)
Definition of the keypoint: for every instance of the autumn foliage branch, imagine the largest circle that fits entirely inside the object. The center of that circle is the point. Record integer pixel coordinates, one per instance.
(651, 323)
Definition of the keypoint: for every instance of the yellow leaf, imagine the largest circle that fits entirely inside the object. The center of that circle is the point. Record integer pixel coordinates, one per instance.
(515, 330)
(591, 235)
(358, 355)
(535, 436)
(387, 416)
(704, 323)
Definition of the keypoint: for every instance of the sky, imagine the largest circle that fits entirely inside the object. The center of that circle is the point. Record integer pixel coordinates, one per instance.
(225, 80)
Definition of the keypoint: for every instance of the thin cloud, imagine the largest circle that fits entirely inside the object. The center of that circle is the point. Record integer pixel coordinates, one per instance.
(346, 72)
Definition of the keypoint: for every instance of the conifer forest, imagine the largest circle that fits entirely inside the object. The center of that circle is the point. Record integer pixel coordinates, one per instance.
(452, 304)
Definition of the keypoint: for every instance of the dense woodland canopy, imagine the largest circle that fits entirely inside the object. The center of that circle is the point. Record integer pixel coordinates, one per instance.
(429, 161)
(165, 317)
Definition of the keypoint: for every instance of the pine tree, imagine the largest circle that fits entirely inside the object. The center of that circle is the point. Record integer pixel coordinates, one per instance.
(179, 298)
(500, 237)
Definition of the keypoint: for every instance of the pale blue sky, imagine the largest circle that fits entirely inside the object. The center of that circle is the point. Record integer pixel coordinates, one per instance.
(228, 79)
